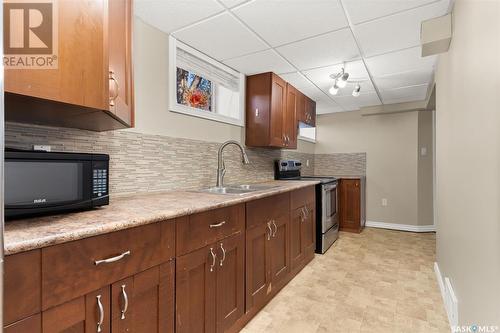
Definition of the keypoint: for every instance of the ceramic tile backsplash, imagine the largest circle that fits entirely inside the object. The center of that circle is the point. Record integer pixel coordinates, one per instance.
(145, 163)
(346, 164)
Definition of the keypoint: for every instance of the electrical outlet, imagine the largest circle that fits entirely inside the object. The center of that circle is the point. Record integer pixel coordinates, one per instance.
(307, 162)
(384, 202)
(423, 151)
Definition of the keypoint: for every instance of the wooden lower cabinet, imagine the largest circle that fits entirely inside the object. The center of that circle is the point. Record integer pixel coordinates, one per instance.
(31, 324)
(351, 205)
(137, 304)
(258, 265)
(268, 259)
(303, 235)
(210, 286)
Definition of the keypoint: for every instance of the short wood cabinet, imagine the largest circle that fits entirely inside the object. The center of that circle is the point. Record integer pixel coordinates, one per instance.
(267, 248)
(92, 87)
(303, 227)
(210, 286)
(352, 204)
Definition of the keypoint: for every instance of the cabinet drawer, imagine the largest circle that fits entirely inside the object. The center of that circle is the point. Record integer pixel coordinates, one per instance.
(262, 210)
(69, 270)
(31, 324)
(302, 197)
(22, 286)
(199, 230)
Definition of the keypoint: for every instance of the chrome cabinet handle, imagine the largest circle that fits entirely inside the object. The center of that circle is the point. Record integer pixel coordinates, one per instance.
(302, 215)
(125, 302)
(284, 140)
(101, 314)
(113, 91)
(307, 211)
(213, 259)
(223, 254)
(270, 230)
(275, 228)
(218, 224)
(112, 259)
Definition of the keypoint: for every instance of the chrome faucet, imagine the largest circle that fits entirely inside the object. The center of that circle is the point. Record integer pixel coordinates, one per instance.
(221, 167)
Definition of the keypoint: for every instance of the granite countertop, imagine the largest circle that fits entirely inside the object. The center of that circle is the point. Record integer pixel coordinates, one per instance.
(125, 212)
(349, 176)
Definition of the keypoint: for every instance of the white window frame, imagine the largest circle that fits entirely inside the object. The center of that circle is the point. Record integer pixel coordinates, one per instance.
(173, 44)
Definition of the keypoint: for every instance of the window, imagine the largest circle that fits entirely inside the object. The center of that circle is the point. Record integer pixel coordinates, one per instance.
(203, 87)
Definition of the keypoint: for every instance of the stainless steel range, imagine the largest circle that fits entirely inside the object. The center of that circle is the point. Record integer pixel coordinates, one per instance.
(327, 216)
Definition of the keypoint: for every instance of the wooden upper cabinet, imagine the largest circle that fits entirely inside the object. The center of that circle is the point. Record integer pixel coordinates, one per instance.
(290, 117)
(268, 122)
(92, 85)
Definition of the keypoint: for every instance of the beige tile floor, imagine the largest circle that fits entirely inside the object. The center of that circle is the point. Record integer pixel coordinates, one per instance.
(377, 281)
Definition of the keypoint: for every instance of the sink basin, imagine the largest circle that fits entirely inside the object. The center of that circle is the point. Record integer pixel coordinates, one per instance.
(237, 189)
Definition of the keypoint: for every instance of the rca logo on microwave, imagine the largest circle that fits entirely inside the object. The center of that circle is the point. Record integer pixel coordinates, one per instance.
(30, 34)
(43, 200)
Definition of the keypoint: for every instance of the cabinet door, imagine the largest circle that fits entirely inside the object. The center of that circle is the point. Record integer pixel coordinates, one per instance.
(309, 231)
(280, 249)
(144, 302)
(258, 270)
(310, 111)
(195, 289)
(350, 205)
(120, 61)
(297, 237)
(278, 108)
(290, 116)
(80, 78)
(230, 281)
(87, 314)
(31, 324)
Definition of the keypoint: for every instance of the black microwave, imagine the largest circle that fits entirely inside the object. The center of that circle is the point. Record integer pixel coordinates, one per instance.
(38, 182)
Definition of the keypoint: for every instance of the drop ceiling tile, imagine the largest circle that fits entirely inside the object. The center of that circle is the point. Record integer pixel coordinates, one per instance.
(405, 94)
(232, 3)
(170, 15)
(405, 79)
(264, 61)
(362, 10)
(296, 79)
(401, 61)
(351, 103)
(356, 69)
(398, 31)
(332, 48)
(285, 21)
(221, 37)
(325, 106)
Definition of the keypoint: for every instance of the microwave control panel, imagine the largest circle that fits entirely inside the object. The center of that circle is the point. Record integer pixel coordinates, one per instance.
(100, 182)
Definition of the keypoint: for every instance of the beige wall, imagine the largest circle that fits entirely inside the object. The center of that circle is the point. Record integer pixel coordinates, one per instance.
(151, 94)
(390, 142)
(468, 161)
(425, 166)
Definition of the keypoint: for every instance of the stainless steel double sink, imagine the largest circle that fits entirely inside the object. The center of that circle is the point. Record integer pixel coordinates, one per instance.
(238, 189)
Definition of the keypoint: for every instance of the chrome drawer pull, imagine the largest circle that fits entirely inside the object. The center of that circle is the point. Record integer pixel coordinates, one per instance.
(275, 228)
(218, 224)
(101, 314)
(125, 302)
(213, 259)
(270, 230)
(112, 259)
(223, 254)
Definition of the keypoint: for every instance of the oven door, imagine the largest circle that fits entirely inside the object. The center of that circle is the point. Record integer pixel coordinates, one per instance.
(37, 186)
(329, 207)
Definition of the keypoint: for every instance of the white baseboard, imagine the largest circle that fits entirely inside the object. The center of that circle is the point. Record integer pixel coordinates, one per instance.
(402, 227)
(439, 279)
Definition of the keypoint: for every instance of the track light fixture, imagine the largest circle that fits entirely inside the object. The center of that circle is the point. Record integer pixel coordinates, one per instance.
(341, 79)
(356, 90)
